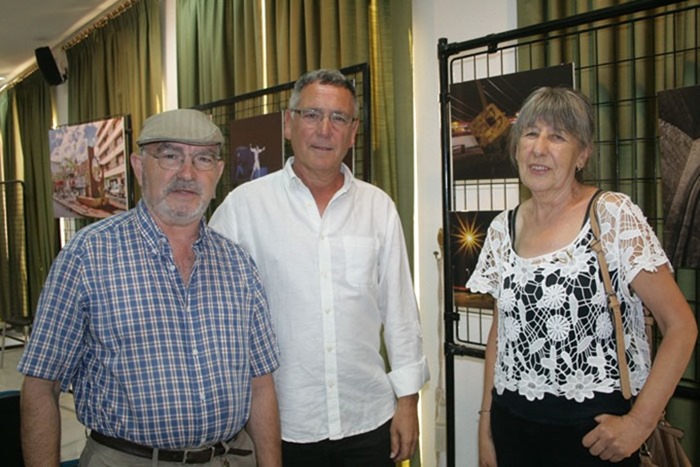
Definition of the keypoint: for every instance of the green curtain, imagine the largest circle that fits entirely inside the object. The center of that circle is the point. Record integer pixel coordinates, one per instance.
(9, 170)
(304, 35)
(34, 110)
(6, 173)
(219, 48)
(117, 68)
(384, 160)
(392, 84)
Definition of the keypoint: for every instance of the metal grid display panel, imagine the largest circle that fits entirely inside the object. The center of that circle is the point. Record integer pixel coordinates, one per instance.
(623, 55)
(627, 156)
(473, 316)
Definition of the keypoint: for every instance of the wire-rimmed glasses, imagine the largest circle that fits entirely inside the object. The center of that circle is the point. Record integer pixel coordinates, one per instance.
(170, 159)
(314, 117)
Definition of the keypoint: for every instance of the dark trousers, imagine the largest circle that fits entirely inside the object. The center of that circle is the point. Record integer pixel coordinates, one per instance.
(369, 449)
(522, 443)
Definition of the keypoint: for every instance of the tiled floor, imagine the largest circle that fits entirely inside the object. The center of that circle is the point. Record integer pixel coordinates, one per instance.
(72, 432)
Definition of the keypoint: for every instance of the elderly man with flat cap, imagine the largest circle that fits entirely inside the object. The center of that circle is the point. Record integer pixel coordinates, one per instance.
(159, 325)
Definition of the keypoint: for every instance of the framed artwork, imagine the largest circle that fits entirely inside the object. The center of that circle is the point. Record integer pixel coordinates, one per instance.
(482, 112)
(89, 168)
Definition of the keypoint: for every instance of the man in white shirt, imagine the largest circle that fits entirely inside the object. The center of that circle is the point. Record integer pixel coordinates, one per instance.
(331, 253)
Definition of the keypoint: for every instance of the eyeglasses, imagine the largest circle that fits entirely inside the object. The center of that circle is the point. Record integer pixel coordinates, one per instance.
(314, 117)
(169, 159)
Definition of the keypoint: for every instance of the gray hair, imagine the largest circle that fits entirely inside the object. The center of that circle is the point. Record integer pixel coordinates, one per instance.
(326, 77)
(560, 107)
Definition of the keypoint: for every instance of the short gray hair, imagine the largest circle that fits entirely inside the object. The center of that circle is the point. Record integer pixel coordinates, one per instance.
(327, 77)
(563, 108)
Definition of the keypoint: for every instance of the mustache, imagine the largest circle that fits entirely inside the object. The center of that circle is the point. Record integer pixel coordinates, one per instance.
(187, 185)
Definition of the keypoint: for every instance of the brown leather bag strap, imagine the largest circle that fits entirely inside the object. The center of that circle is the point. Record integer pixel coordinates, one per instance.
(613, 302)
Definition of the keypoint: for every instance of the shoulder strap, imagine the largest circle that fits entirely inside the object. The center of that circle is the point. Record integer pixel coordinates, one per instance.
(592, 202)
(511, 225)
(613, 302)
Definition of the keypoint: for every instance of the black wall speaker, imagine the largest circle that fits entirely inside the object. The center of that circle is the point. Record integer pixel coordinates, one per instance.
(50, 69)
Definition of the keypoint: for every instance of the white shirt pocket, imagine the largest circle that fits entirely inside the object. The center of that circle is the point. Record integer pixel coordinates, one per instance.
(361, 261)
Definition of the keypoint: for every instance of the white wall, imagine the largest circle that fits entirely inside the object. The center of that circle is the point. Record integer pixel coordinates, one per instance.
(456, 20)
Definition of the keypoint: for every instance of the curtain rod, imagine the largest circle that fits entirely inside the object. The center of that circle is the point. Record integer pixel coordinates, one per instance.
(97, 24)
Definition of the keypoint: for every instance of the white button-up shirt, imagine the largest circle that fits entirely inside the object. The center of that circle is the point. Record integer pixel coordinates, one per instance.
(333, 283)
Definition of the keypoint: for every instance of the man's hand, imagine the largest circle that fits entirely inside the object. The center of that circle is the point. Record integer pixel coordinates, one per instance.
(404, 428)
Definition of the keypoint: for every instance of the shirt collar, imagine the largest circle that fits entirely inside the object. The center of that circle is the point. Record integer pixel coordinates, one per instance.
(153, 235)
(290, 175)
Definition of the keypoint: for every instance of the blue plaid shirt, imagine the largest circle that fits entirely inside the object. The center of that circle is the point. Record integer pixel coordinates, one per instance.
(150, 359)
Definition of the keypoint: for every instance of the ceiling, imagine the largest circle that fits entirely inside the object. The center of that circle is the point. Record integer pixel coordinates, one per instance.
(29, 24)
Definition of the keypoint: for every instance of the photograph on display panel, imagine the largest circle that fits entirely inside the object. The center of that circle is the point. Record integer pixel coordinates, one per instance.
(467, 236)
(89, 168)
(256, 146)
(468, 231)
(482, 112)
(679, 141)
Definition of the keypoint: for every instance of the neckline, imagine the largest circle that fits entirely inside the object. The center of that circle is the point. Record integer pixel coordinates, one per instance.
(511, 229)
(544, 256)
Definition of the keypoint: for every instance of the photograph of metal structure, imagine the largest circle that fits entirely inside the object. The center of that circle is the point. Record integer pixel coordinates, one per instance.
(679, 140)
(482, 111)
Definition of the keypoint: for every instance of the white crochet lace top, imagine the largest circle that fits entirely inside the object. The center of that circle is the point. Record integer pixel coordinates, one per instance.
(555, 334)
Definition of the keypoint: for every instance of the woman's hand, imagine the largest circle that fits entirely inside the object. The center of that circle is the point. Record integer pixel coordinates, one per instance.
(616, 437)
(487, 451)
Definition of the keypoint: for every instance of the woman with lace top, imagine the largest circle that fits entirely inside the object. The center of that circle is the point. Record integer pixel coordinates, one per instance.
(552, 385)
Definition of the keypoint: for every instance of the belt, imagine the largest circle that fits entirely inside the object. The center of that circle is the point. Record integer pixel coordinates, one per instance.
(187, 456)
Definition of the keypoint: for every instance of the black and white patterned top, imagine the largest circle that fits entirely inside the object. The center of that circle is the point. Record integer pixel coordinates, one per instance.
(555, 334)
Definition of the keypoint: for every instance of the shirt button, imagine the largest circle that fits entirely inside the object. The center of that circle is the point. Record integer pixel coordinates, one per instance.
(195, 352)
(329, 349)
(331, 384)
(328, 311)
(172, 267)
(202, 397)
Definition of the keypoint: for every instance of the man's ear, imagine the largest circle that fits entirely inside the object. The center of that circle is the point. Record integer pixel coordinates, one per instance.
(355, 127)
(137, 166)
(288, 124)
(220, 168)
